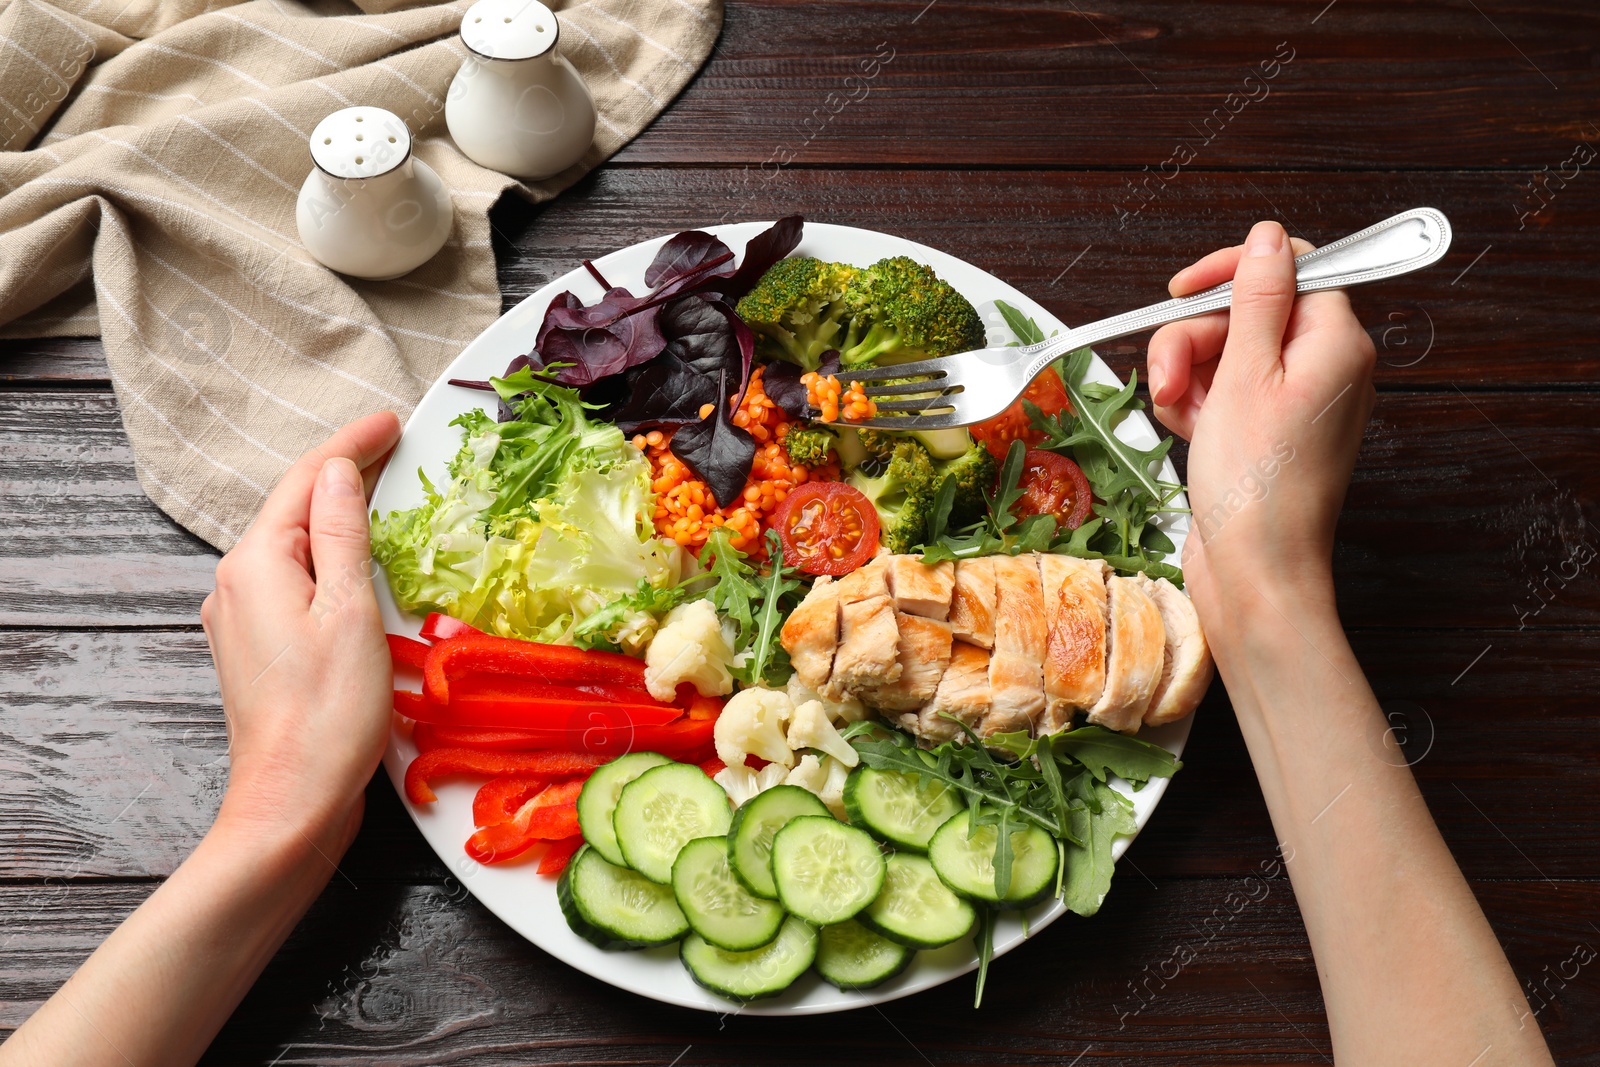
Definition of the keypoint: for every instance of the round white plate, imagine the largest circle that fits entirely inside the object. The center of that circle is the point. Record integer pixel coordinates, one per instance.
(526, 900)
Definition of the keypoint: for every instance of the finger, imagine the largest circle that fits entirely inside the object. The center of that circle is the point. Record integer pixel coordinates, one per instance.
(370, 472)
(339, 546)
(1263, 295)
(1181, 414)
(1218, 267)
(1178, 346)
(364, 442)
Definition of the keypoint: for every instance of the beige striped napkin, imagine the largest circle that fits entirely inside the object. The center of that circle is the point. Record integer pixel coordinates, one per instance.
(151, 152)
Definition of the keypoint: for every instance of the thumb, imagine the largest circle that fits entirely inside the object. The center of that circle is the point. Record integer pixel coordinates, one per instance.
(339, 535)
(1263, 295)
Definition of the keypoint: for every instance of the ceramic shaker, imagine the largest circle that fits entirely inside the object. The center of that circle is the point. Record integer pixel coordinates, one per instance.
(516, 105)
(369, 208)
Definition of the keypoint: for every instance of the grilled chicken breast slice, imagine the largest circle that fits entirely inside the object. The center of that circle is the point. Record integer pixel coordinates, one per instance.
(1187, 668)
(972, 601)
(869, 640)
(1075, 617)
(811, 633)
(963, 692)
(923, 654)
(921, 589)
(1016, 667)
(1137, 647)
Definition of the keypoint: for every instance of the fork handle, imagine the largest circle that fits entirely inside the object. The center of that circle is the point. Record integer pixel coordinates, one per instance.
(1409, 241)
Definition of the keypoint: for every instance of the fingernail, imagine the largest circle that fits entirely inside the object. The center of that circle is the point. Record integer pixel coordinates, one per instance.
(340, 478)
(1157, 379)
(1266, 239)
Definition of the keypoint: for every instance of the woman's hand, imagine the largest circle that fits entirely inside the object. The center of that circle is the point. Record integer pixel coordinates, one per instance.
(1274, 396)
(299, 648)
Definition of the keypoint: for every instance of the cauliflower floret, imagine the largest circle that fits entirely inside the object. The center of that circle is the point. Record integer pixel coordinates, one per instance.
(824, 776)
(839, 711)
(689, 647)
(741, 783)
(809, 728)
(751, 724)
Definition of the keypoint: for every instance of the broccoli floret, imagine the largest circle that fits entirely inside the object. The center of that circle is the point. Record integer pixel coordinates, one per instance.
(808, 445)
(901, 488)
(797, 309)
(880, 444)
(901, 310)
(974, 474)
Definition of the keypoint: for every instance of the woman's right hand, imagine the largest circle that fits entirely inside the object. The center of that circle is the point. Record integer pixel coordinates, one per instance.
(1273, 396)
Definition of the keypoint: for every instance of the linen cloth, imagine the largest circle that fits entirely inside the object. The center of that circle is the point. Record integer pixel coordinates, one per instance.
(151, 155)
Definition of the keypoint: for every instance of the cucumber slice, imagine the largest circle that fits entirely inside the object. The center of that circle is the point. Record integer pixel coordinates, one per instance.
(664, 809)
(598, 801)
(825, 871)
(718, 908)
(614, 907)
(902, 809)
(755, 823)
(852, 957)
(762, 972)
(916, 908)
(966, 862)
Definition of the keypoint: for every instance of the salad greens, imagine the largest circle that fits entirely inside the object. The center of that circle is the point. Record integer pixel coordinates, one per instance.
(756, 604)
(545, 521)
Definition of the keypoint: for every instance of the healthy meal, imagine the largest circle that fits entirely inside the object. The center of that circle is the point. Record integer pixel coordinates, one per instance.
(792, 693)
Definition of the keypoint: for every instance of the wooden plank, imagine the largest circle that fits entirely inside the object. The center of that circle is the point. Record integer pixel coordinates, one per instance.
(1195, 972)
(1367, 83)
(1494, 486)
(112, 760)
(1519, 314)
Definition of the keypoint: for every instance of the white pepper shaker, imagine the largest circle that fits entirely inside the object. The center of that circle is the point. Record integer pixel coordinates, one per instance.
(369, 208)
(516, 105)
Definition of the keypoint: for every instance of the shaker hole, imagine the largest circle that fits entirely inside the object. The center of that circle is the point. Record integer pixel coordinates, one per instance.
(508, 18)
(361, 118)
(477, 20)
(360, 138)
(327, 140)
(360, 160)
(391, 140)
(538, 28)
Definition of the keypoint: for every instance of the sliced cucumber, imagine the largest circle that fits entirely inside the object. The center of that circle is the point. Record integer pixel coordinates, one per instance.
(965, 862)
(598, 801)
(902, 809)
(916, 908)
(951, 443)
(664, 809)
(718, 908)
(852, 957)
(614, 907)
(761, 972)
(755, 823)
(825, 871)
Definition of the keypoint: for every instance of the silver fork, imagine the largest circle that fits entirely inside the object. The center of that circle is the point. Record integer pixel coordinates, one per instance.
(973, 386)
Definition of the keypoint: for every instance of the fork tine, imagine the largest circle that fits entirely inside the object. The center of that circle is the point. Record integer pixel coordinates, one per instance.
(922, 368)
(917, 405)
(932, 387)
(915, 422)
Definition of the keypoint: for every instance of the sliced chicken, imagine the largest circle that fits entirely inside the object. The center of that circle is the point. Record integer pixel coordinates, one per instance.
(1136, 648)
(963, 692)
(1016, 669)
(868, 653)
(811, 633)
(1187, 668)
(923, 654)
(921, 589)
(972, 601)
(1075, 642)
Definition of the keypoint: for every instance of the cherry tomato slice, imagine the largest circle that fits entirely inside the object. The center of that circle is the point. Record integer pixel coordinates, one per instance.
(1052, 484)
(826, 528)
(1050, 396)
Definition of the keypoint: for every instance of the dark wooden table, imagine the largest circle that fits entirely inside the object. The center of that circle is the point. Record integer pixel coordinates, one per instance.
(1081, 154)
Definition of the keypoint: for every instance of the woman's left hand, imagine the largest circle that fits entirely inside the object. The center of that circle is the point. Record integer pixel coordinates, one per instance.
(299, 647)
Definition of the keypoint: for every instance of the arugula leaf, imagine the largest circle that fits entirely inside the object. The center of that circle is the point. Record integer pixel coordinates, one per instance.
(733, 591)
(983, 940)
(1086, 878)
(1022, 326)
(764, 652)
(1101, 750)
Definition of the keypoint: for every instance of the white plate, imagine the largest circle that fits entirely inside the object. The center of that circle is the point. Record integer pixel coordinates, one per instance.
(526, 900)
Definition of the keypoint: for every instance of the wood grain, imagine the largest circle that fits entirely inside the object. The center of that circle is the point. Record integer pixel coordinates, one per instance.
(1027, 82)
(409, 975)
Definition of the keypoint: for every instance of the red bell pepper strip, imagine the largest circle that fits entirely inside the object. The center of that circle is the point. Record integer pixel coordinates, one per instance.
(573, 716)
(496, 686)
(439, 762)
(682, 738)
(408, 703)
(701, 707)
(559, 854)
(713, 767)
(552, 815)
(499, 798)
(536, 662)
(437, 627)
(406, 652)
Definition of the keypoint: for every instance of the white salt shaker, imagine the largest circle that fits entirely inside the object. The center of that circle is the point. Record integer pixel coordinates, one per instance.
(516, 105)
(369, 208)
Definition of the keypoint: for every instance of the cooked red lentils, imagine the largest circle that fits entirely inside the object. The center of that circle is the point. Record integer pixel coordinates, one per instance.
(685, 509)
(832, 402)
